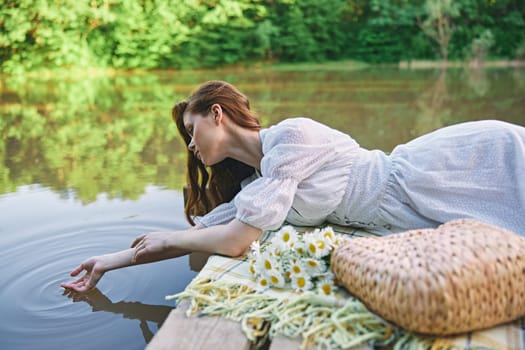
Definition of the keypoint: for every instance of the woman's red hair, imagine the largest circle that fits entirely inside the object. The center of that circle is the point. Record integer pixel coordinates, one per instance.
(210, 186)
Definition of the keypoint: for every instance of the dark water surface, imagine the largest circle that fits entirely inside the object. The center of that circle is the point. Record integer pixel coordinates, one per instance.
(89, 163)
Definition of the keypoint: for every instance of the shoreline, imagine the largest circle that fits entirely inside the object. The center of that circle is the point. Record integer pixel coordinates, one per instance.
(423, 64)
(76, 72)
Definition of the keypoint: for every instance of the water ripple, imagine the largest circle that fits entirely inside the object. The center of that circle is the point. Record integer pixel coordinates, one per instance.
(32, 301)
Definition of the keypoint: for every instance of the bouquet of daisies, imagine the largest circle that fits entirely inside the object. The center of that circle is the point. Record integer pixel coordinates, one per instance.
(299, 261)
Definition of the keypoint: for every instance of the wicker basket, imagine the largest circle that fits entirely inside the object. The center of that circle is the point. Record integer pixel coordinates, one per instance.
(462, 276)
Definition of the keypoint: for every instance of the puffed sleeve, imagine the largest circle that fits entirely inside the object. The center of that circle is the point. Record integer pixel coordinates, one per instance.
(221, 214)
(293, 150)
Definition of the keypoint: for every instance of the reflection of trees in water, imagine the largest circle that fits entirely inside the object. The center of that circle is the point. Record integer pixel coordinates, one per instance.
(518, 77)
(357, 102)
(477, 80)
(432, 106)
(110, 135)
(114, 134)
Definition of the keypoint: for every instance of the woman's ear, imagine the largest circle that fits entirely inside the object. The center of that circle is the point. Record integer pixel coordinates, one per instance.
(216, 112)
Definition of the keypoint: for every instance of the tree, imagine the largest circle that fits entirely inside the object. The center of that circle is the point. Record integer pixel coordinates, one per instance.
(438, 23)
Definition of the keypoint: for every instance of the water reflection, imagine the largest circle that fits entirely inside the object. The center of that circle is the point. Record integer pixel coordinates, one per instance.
(131, 310)
(44, 236)
(114, 135)
(134, 310)
(89, 163)
(433, 106)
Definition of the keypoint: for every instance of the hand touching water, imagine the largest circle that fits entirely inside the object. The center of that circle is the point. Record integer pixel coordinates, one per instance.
(94, 268)
(146, 248)
(155, 246)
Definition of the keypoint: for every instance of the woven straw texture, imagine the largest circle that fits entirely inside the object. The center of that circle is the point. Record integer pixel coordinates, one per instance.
(462, 276)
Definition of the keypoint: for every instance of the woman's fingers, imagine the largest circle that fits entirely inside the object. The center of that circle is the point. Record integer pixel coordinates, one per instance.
(139, 244)
(77, 270)
(76, 285)
(137, 241)
(80, 285)
(138, 251)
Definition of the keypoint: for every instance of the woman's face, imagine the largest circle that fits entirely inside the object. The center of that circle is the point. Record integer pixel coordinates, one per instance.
(205, 134)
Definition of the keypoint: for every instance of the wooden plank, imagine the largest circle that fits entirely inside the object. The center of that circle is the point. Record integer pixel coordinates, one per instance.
(284, 343)
(182, 332)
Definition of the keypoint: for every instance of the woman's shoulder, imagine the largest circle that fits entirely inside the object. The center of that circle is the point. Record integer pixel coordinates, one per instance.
(297, 123)
(298, 129)
(288, 131)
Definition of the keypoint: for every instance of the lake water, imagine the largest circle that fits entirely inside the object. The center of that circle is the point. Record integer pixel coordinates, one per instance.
(89, 163)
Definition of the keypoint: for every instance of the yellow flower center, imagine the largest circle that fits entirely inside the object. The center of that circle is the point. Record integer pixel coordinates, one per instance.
(320, 244)
(312, 248)
(264, 283)
(327, 289)
(286, 237)
(296, 269)
(301, 282)
(267, 265)
(312, 263)
(274, 279)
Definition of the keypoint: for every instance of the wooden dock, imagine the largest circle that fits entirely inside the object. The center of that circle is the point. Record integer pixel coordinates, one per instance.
(180, 332)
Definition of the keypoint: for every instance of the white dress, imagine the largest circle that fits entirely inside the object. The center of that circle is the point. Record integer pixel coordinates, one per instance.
(312, 174)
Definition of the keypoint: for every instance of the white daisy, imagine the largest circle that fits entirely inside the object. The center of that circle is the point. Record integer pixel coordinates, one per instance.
(276, 279)
(326, 286)
(300, 247)
(267, 262)
(328, 233)
(311, 246)
(285, 238)
(296, 267)
(301, 282)
(263, 283)
(324, 246)
(314, 267)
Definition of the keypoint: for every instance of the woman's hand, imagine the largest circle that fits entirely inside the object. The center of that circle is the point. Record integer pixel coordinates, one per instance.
(152, 246)
(94, 268)
(232, 239)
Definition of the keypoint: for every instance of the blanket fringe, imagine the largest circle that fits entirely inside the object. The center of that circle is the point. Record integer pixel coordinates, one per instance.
(321, 321)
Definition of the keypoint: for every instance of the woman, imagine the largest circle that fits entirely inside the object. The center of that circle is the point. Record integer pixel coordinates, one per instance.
(307, 173)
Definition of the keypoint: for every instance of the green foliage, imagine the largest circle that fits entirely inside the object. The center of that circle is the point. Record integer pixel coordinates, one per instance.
(151, 34)
(481, 45)
(438, 23)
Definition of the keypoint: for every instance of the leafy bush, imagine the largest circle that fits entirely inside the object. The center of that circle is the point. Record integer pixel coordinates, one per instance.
(150, 34)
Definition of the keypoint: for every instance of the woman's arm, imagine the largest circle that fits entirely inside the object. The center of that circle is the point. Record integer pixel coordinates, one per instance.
(97, 266)
(231, 239)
